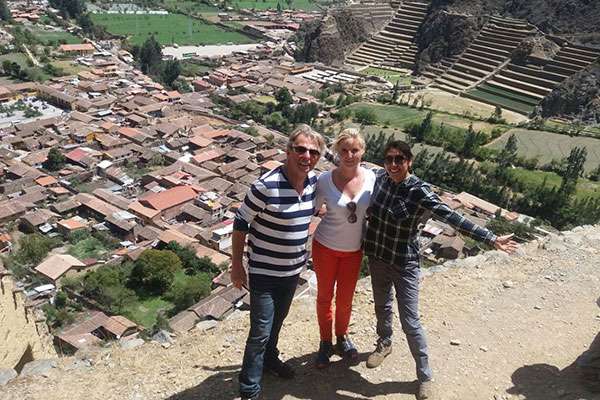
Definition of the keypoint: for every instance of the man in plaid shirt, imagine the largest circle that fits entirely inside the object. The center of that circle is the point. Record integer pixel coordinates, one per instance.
(398, 203)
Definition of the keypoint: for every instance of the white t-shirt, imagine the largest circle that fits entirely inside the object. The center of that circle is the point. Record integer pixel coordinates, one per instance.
(335, 231)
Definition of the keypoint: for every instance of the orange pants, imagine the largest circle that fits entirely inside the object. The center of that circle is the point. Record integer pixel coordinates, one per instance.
(339, 270)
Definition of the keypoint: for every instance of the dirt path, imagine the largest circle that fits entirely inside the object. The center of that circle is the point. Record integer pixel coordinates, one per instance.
(519, 324)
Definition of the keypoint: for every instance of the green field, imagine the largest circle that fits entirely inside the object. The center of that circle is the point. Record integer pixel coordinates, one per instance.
(191, 7)
(532, 179)
(305, 5)
(399, 115)
(502, 101)
(394, 116)
(47, 37)
(168, 29)
(145, 311)
(21, 59)
(547, 146)
(389, 75)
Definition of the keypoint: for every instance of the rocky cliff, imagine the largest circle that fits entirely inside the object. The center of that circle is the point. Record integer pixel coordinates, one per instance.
(578, 97)
(329, 40)
(22, 339)
(499, 327)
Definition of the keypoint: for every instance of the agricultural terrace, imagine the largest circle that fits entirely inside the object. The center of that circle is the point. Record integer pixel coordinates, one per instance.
(546, 146)
(398, 116)
(388, 75)
(168, 29)
(306, 5)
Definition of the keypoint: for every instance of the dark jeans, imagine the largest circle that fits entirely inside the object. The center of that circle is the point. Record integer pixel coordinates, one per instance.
(270, 300)
(405, 281)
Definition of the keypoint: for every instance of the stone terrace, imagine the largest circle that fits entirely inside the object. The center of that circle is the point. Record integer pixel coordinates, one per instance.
(390, 44)
(490, 51)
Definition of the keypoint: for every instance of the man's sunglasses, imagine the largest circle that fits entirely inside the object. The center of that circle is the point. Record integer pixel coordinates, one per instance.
(302, 150)
(394, 159)
(351, 206)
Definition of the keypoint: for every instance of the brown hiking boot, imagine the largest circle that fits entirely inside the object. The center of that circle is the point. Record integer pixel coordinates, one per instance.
(426, 390)
(381, 352)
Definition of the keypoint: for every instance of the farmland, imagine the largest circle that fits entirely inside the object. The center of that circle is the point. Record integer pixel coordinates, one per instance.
(49, 37)
(547, 146)
(398, 116)
(532, 179)
(306, 5)
(168, 29)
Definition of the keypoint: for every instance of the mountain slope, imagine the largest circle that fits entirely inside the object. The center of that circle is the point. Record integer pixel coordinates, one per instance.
(518, 324)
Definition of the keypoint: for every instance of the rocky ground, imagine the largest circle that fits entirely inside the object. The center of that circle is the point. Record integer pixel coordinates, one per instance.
(499, 327)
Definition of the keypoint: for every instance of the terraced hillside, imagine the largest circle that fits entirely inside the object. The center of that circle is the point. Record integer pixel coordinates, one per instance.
(521, 88)
(488, 53)
(392, 44)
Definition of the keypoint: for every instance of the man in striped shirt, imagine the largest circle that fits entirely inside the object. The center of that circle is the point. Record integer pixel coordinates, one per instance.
(275, 217)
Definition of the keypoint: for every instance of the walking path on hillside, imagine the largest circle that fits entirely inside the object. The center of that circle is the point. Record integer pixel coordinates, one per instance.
(517, 325)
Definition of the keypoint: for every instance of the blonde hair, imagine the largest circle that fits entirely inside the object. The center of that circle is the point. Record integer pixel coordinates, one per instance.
(305, 130)
(348, 134)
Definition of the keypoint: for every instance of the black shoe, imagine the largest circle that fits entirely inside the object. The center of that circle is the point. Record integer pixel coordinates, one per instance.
(325, 352)
(345, 348)
(279, 368)
(255, 397)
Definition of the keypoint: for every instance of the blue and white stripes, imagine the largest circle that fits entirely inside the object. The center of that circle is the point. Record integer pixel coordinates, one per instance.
(277, 219)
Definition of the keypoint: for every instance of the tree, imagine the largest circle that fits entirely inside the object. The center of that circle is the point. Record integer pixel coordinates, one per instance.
(573, 170)
(472, 140)
(33, 249)
(150, 56)
(279, 9)
(170, 72)
(190, 261)
(284, 98)
(55, 161)
(595, 174)
(509, 153)
(187, 292)
(4, 11)
(154, 270)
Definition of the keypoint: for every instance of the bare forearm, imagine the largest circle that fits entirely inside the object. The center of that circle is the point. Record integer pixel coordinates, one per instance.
(238, 242)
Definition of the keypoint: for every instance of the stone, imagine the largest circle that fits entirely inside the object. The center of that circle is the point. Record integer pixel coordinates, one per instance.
(38, 367)
(131, 343)
(455, 342)
(78, 364)
(508, 284)
(537, 307)
(484, 349)
(163, 337)
(206, 325)
(7, 375)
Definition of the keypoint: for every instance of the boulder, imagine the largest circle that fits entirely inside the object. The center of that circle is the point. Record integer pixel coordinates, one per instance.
(38, 367)
(7, 375)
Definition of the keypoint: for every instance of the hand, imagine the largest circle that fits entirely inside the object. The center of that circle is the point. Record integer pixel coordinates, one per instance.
(239, 278)
(506, 244)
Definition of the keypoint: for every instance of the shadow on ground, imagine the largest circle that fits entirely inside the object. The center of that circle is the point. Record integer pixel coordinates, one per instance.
(339, 381)
(579, 381)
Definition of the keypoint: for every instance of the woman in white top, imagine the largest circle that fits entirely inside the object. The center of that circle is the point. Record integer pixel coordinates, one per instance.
(336, 250)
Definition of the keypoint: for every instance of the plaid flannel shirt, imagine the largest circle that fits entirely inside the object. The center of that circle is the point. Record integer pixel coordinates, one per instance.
(395, 212)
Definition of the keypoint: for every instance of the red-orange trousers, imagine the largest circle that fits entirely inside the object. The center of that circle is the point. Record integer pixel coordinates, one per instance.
(337, 271)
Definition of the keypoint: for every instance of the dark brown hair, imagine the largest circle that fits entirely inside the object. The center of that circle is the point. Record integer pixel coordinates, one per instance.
(401, 146)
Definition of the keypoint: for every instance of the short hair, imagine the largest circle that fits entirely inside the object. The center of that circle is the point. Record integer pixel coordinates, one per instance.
(305, 130)
(348, 134)
(401, 146)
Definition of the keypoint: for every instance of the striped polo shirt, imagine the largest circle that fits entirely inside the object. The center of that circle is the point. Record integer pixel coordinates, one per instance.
(277, 220)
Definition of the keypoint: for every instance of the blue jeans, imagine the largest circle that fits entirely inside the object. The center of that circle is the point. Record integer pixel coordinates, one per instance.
(270, 300)
(405, 281)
